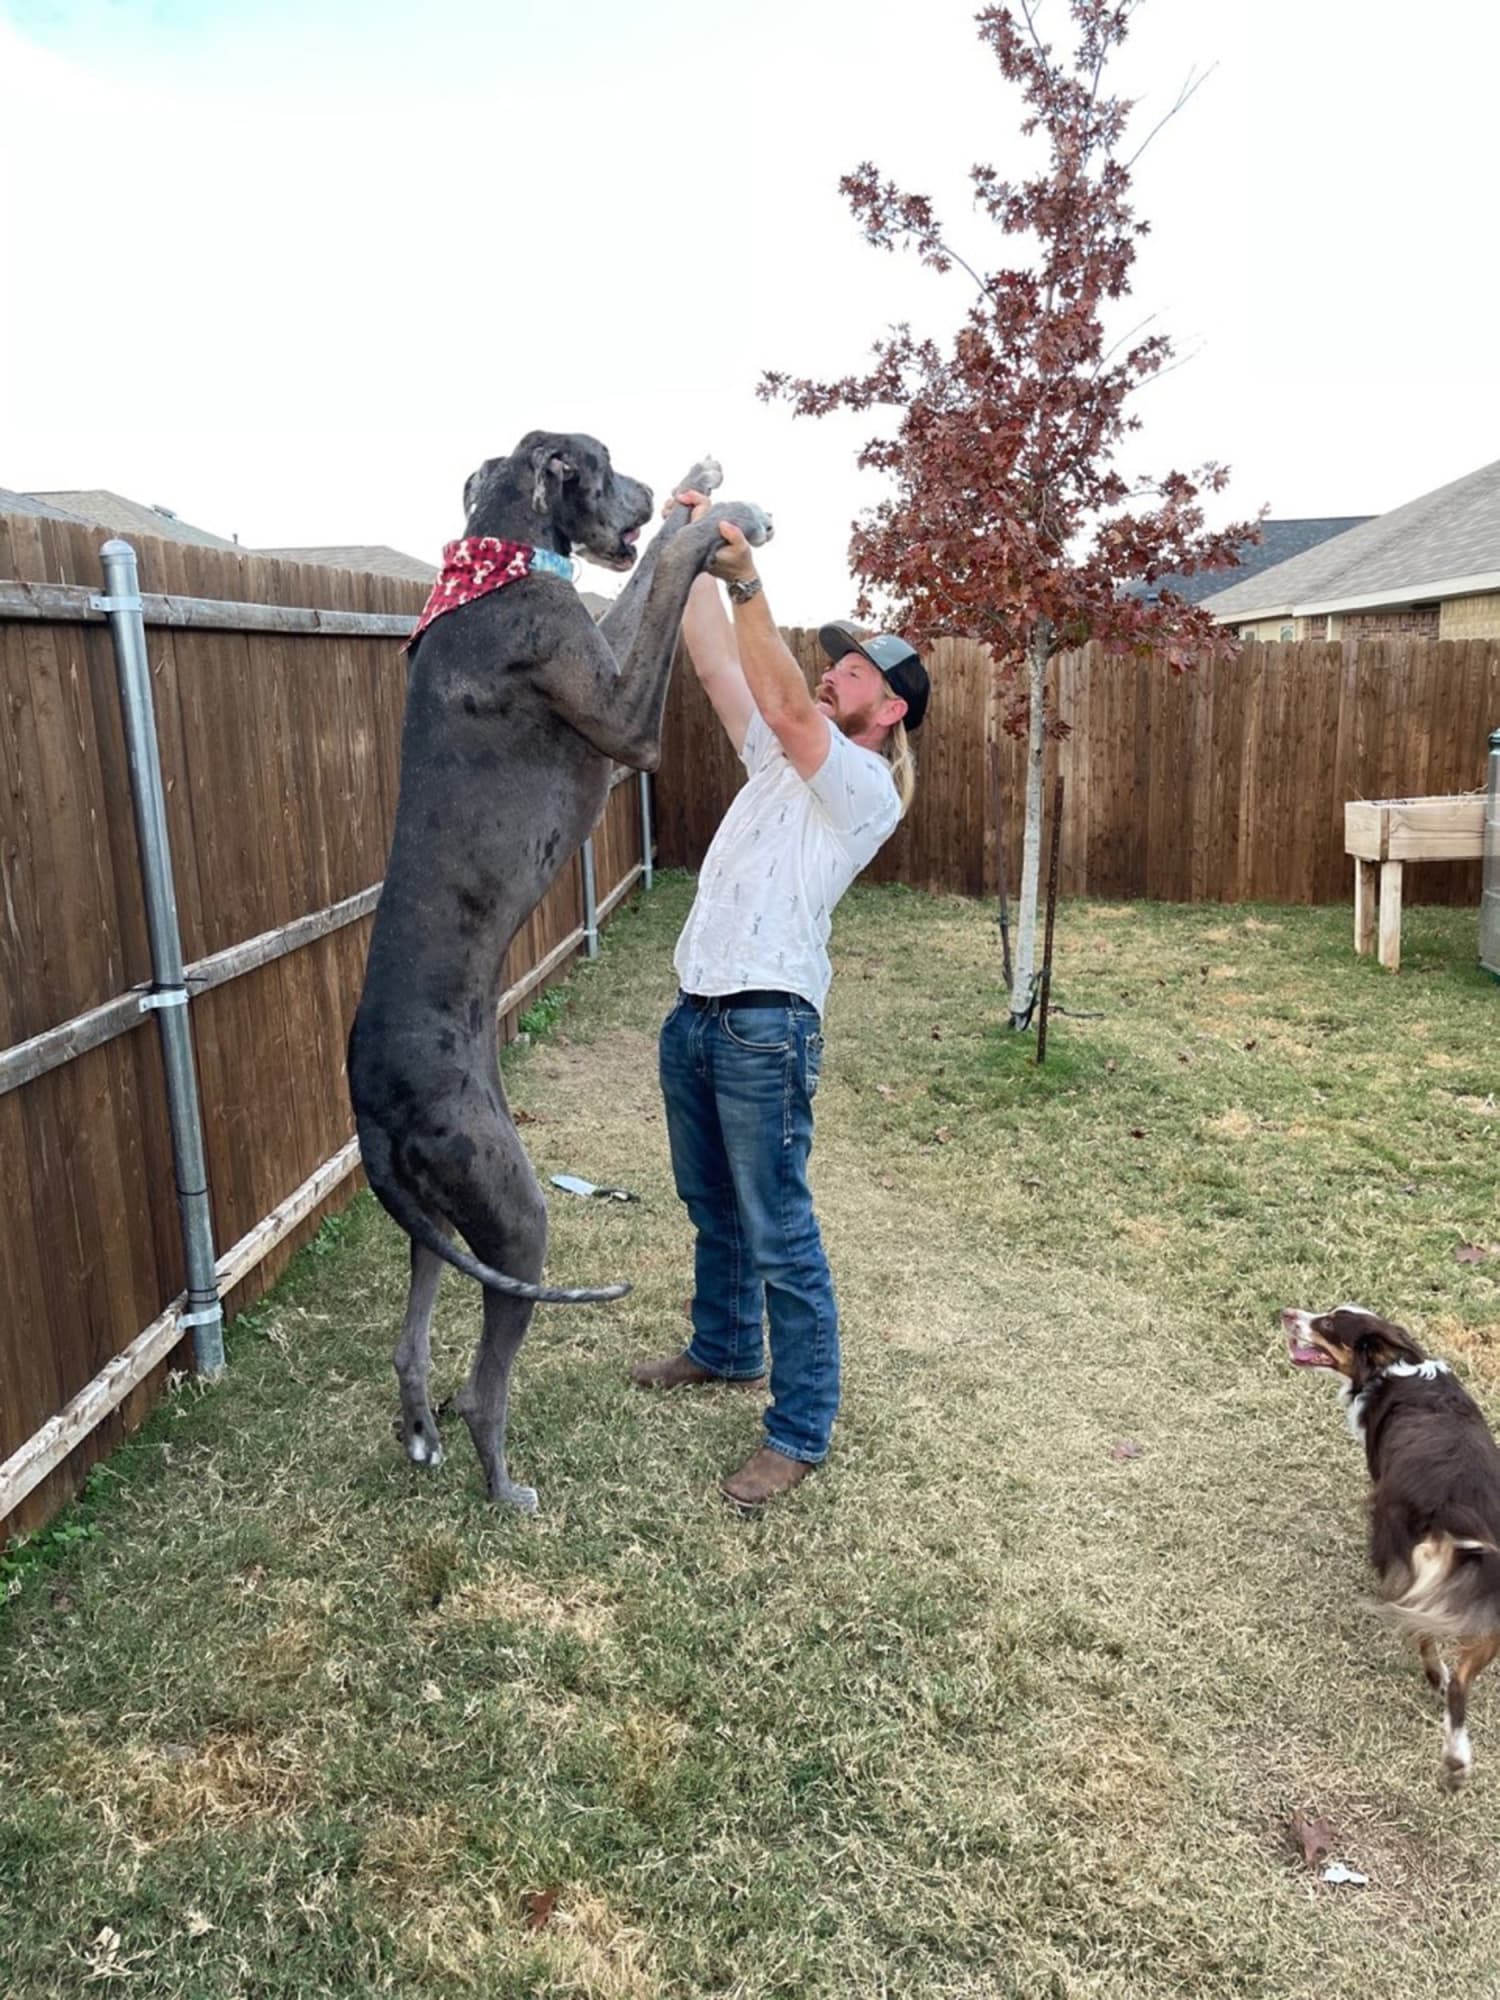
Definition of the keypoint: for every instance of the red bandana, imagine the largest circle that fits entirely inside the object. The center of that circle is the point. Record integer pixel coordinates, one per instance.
(477, 565)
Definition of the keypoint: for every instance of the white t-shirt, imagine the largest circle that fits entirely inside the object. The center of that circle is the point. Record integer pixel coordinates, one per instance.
(785, 852)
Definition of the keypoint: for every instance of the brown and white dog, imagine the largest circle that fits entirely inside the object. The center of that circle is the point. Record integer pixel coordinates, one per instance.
(1434, 1502)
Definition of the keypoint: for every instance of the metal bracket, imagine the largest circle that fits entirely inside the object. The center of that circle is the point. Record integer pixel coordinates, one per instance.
(205, 1318)
(116, 604)
(171, 996)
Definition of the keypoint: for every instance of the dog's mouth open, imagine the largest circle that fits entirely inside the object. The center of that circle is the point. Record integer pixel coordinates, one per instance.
(1301, 1351)
(621, 556)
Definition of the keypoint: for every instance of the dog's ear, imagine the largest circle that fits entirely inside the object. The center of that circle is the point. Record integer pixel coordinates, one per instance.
(552, 469)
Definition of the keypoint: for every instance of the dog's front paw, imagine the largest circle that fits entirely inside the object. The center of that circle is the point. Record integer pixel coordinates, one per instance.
(707, 476)
(754, 523)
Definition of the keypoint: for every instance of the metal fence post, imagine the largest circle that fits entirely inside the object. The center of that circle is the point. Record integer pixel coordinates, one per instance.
(647, 865)
(590, 901)
(168, 997)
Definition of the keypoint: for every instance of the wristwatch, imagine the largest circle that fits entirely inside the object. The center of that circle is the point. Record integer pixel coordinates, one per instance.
(741, 590)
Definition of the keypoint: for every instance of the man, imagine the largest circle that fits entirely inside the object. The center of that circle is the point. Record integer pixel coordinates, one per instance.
(830, 775)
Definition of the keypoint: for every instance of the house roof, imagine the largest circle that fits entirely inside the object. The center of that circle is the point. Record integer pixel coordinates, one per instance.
(1279, 541)
(12, 502)
(376, 557)
(130, 517)
(1442, 544)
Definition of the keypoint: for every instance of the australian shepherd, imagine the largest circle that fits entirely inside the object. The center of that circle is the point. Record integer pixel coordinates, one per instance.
(1434, 1500)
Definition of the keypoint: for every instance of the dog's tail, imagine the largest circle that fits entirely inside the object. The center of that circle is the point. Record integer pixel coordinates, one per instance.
(1452, 1591)
(404, 1208)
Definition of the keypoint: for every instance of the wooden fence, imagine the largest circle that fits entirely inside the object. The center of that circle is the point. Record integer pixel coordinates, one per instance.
(1223, 785)
(280, 753)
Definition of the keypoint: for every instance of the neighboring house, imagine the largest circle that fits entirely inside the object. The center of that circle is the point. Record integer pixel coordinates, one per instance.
(12, 502)
(391, 562)
(375, 557)
(1429, 569)
(129, 517)
(1279, 540)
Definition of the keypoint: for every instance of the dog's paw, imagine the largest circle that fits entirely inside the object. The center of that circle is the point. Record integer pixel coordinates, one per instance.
(754, 523)
(707, 476)
(523, 1498)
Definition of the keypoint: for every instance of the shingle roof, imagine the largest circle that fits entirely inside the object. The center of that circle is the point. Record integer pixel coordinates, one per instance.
(129, 517)
(1279, 541)
(12, 502)
(1434, 546)
(375, 557)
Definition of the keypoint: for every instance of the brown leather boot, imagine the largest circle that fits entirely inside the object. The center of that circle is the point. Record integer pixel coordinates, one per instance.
(762, 1478)
(678, 1371)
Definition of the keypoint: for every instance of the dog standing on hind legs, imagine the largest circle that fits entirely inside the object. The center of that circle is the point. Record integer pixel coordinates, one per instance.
(517, 706)
(1434, 1498)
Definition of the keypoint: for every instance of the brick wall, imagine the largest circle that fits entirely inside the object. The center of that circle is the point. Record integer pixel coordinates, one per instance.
(1391, 624)
(1471, 617)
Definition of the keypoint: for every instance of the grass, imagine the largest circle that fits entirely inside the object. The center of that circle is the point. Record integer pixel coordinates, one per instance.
(988, 1709)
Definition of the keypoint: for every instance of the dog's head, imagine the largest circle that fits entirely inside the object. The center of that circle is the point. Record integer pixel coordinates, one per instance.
(1352, 1340)
(559, 490)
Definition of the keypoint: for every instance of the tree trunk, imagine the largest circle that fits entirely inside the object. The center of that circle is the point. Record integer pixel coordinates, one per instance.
(1021, 993)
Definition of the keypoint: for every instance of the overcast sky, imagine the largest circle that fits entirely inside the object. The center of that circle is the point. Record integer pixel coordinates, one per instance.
(294, 267)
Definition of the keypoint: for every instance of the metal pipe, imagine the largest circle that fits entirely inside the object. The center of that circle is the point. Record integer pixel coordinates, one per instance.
(590, 901)
(647, 865)
(168, 997)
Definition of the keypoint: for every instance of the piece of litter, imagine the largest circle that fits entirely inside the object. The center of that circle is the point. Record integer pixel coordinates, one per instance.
(575, 1184)
(1336, 1872)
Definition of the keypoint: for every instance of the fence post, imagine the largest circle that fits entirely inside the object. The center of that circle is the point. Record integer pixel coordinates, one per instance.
(590, 901)
(647, 866)
(168, 997)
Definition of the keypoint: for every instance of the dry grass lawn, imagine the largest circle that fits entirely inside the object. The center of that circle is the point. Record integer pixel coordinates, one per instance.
(1016, 1698)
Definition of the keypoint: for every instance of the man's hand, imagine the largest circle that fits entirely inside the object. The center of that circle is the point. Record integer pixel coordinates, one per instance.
(690, 497)
(735, 562)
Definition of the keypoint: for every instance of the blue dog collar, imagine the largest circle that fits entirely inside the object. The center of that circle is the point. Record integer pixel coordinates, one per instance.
(553, 564)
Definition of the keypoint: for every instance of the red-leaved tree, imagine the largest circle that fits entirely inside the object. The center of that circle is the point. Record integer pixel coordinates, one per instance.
(1009, 520)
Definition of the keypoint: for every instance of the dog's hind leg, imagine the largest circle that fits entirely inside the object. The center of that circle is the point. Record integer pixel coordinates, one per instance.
(1458, 1752)
(512, 1235)
(413, 1359)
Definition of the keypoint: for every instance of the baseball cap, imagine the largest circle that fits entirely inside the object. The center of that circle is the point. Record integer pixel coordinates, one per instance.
(899, 663)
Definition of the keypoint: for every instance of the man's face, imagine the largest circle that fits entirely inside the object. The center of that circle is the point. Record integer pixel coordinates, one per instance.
(853, 695)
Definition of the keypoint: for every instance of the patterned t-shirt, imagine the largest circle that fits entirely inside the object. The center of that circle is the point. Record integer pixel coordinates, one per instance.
(785, 852)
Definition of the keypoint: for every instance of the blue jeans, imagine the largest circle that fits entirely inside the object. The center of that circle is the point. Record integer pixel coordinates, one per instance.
(738, 1082)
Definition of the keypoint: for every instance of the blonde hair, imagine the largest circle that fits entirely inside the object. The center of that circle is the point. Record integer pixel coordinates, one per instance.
(898, 754)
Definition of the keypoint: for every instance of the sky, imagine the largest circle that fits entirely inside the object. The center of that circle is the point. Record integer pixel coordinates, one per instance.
(293, 268)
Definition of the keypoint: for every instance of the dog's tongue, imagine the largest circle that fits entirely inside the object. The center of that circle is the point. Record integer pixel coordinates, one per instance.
(1307, 1356)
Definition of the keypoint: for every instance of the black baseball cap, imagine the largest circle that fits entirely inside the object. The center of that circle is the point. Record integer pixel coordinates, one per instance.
(899, 663)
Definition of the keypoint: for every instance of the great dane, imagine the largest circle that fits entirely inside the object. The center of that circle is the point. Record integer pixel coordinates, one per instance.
(517, 706)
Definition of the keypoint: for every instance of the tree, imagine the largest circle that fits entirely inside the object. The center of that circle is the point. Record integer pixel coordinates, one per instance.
(1009, 520)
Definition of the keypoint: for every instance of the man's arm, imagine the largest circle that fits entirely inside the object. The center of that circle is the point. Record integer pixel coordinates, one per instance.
(716, 661)
(771, 674)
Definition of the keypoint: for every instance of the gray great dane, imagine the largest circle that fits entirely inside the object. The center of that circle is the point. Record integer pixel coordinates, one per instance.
(517, 706)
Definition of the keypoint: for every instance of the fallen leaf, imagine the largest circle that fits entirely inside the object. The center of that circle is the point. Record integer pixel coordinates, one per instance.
(521, 1116)
(1314, 1835)
(431, 1692)
(1137, 1131)
(539, 1905)
(887, 1180)
(1031, 1180)
(1126, 1448)
(1470, 1253)
(1111, 1066)
(943, 1134)
(937, 1034)
(1183, 1056)
(1250, 1044)
(885, 1090)
(197, 1924)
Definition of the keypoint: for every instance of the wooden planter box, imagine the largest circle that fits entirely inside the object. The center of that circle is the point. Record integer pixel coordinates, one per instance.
(1440, 829)
(1385, 834)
